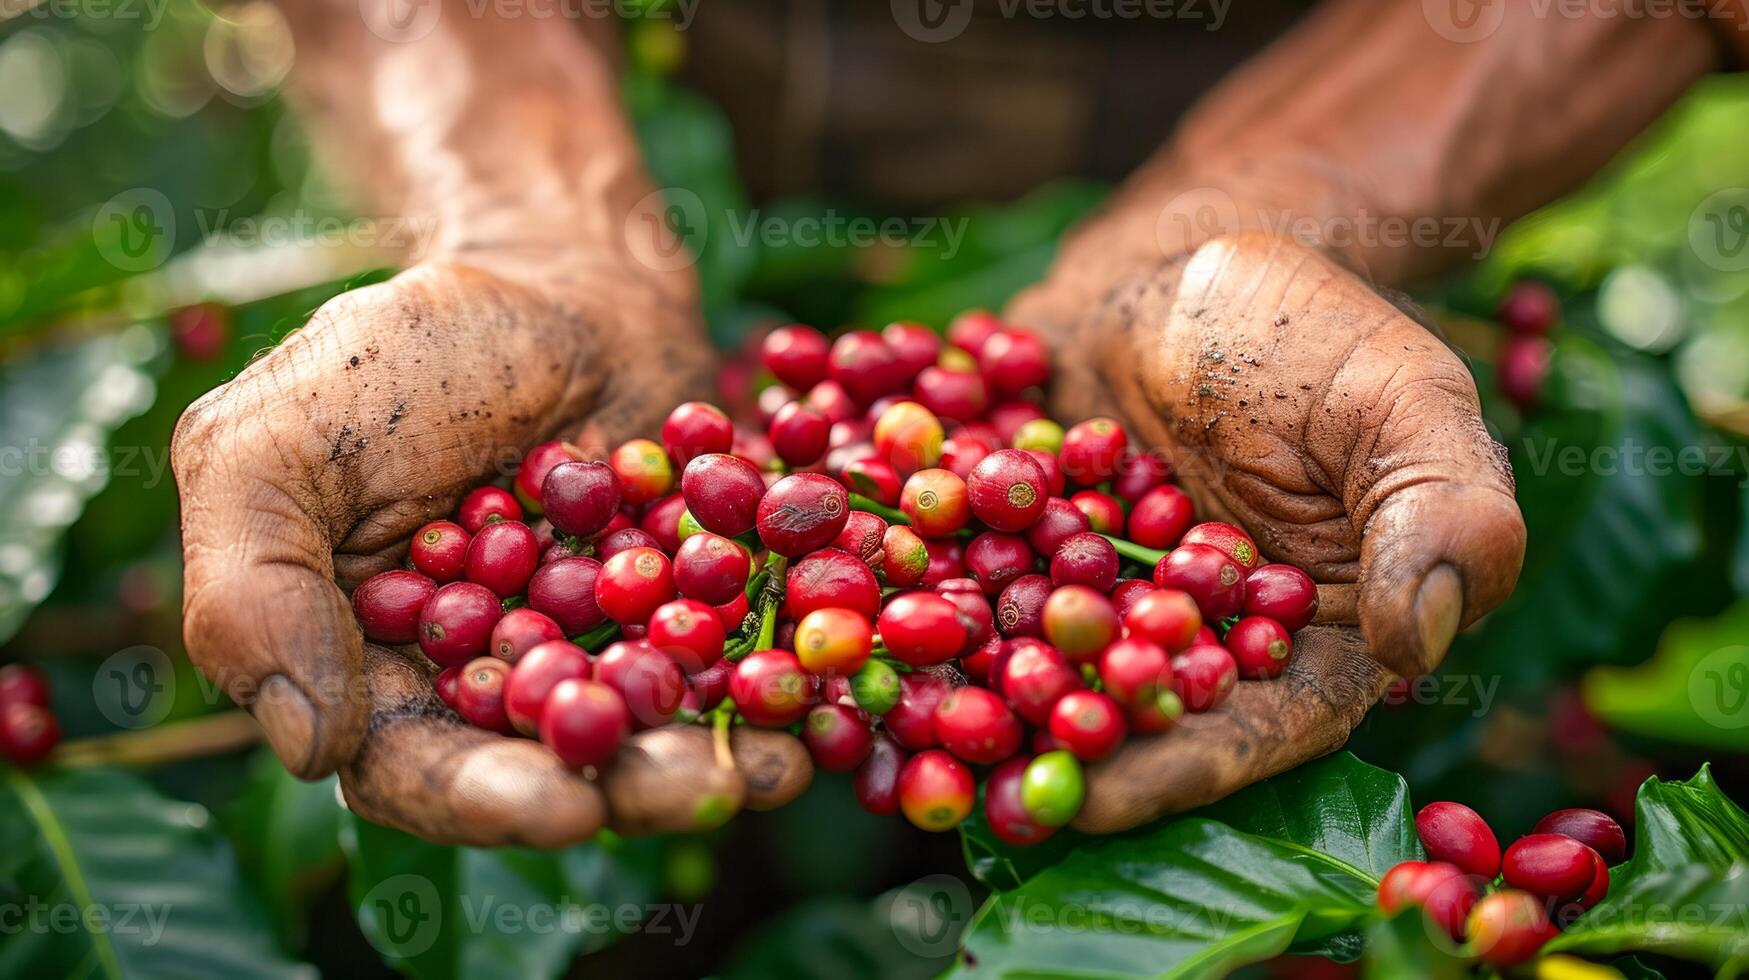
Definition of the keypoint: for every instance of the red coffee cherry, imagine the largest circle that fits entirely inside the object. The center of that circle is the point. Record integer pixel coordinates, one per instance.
(584, 723)
(972, 329)
(1138, 473)
(996, 559)
(1085, 559)
(867, 368)
(1550, 866)
(1013, 361)
(689, 632)
(802, 513)
(1128, 591)
(799, 434)
(960, 455)
(830, 578)
(1020, 610)
(1443, 892)
(1034, 678)
(538, 462)
(914, 345)
(649, 680)
(1210, 575)
(1458, 835)
(936, 791)
(861, 537)
(911, 721)
(1521, 370)
(873, 478)
(28, 733)
(833, 641)
(877, 779)
(770, 688)
(710, 568)
(1007, 417)
(23, 684)
(711, 685)
(1529, 307)
(1229, 539)
(974, 724)
(1165, 616)
(1053, 470)
(581, 497)
(625, 539)
(534, 677)
(1161, 517)
(1104, 513)
(837, 738)
(455, 626)
(479, 694)
(951, 394)
(388, 604)
(936, 502)
(644, 469)
(1283, 593)
(1003, 810)
(1507, 928)
(946, 560)
(662, 521)
(722, 493)
(1261, 647)
(920, 629)
(796, 354)
(908, 436)
(486, 505)
(565, 591)
(694, 429)
(1092, 449)
(832, 400)
(1203, 676)
(904, 558)
(440, 550)
(632, 584)
(1135, 671)
(521, 630)
(503, 557)
(1080, 622)
(1593, 828)
(1088, 723)
(1007, 490)
(1060, 520)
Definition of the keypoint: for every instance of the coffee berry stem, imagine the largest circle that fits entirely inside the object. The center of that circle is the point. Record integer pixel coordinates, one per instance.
(892, 515)
(773, 600)
(598, 637)
(725, 713)
(1135, 552)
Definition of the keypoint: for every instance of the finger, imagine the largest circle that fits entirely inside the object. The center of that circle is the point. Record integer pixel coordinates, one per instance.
(262, 616)
(424, 770)
(774, 764)
(669, 780)
(1264, 728)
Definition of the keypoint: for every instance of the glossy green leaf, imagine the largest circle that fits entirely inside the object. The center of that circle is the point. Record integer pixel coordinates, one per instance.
(105, 877)
(1685, 890)
(1402, 947)
(439, 912)
(841, 938)
(1695, 689)
(287, 834)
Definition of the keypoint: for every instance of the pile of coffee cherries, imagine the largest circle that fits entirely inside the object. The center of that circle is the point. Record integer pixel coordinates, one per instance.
(29, 730)
(1546, 878)
(907, 564)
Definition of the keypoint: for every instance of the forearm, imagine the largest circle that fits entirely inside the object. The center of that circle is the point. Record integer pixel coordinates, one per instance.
(506, 134)
(1395, 148)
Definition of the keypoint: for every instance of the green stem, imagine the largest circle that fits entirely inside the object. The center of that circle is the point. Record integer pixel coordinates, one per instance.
(770, 601)
(888, 514)
(597, 637)
(725, 713)
(1135, 552)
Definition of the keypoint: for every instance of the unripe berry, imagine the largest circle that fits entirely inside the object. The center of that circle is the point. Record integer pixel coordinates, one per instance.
(936, 791)
(904, 558)
(1080, 622)
(644, 469)
(908, 436)
(833, 641)
(1053, 788)
(936, 503)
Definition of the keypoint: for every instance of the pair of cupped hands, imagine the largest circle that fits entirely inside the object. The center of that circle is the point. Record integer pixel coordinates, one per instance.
(1290, 396)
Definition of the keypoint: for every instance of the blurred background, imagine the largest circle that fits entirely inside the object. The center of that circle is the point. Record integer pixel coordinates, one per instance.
(161, 224)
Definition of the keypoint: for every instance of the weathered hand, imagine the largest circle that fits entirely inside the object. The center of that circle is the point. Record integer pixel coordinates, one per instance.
(1295, 401)
(307, 474)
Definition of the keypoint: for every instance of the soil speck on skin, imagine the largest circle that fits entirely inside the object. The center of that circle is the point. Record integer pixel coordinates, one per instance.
(1281, 319)
(353, 361)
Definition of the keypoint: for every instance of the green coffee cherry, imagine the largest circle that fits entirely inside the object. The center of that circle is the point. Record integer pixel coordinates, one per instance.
(875, 687)
(1041, 434)
(1052, 788)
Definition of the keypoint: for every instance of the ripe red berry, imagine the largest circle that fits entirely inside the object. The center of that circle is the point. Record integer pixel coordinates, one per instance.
(1212, 578)
(796, 354)
(1013, 361)
(1135, 671)
(1529, 307)
(1160, 518)
(1128, 591)
(867, 368)
(996, 559)
(644, 469)
(479, 694)
(862, 536)
(440, 550)
(877, 779)
(533, 677)
(694, 429)
(625, 539)
(1007, 418)
(1034, 678)
(974, 724)
(732, 613)
(1507, 928)
(1003, 810)
(1054, 482)
(1080, 622)
(710, 568)
(1593, 828)
(722, 493)
(972, 329)
(799, 434)
(1137, 473)
(521, 630)
(1092, 449)
(503, 557)
(770, 688)
(1165, 616)
(446, 682)
(936, 790)
(1261, 646)
(1087, 723)
(936, 503)
(711, 685)
(486, 505)
(1443, 892)
(688, 632)
(911, 720)
(538, 462)
(581, 497)
(832, 400)
(1085, 559)
(565, 590)
(1104, 513)
(920, 629)
(950, 394)
(1229, 539)
(584, 723)
(873, 478)
(1283, 593)
(662, 521)
(1020, 610)
(837, 738)
(1060, 520)
(946, 560)
(649, 680)
(455, 625)
(28, 733)
(1007, 490)
(633, 583)
(1522, 368)
(913, 344)
(802, 513)
(972, 608)
(387, 605)
(831, 578)
(833, 641)
(1203, 676)
(1549, 866)
(960, 455)
(1458, 835)
(24, 684)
